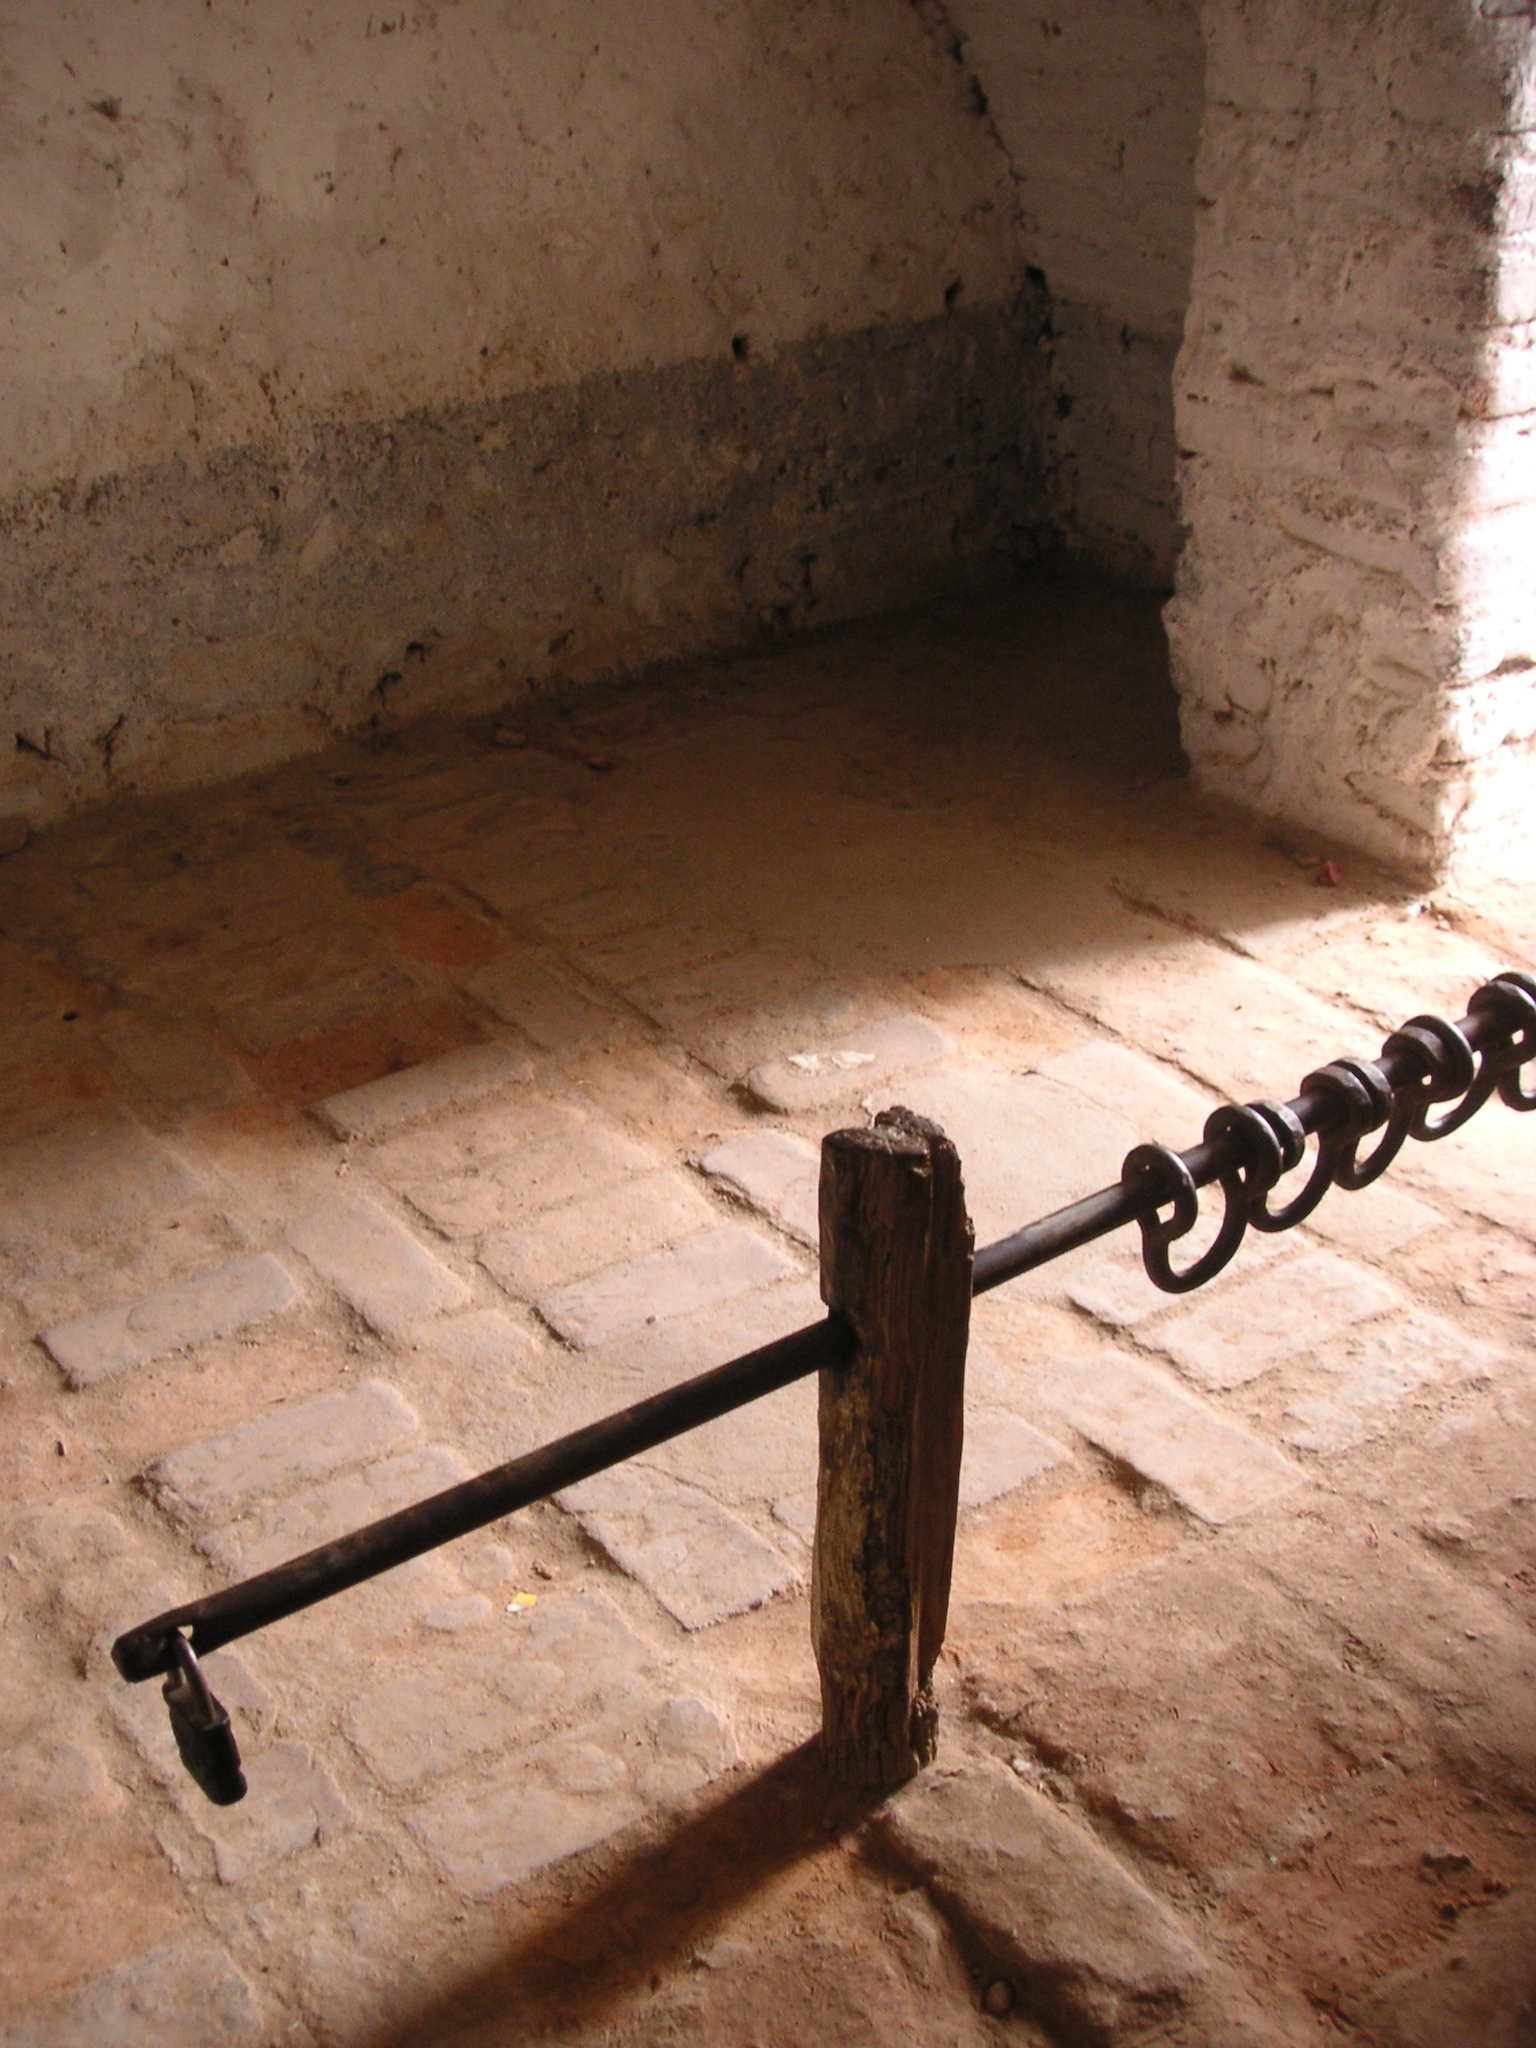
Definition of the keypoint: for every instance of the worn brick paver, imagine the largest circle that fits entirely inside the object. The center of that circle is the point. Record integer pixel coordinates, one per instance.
(622, 1222)
(271, 1022)
(1238, 1332)
(282, 1450)
(703, 1269)
(427, 1089)
(582, 1161)
(776, 1172)
(526, 988)
(314, 1515)
(1374, 1222)
(1236, 1025)
(388, 1276)
(292, 1802)
(466, 1142)
(1373, 1371)
(189, 1988)
(698, 1559)
(1002, 1453)
(850, 1065)
(1114, 1287)
(1161, 1106)
(1144, 1418)
(232, 1297)
(627, 1745)
(1028, 1144)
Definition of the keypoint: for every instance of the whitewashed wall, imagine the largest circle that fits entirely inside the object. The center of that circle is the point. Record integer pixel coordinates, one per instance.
(362, 356)
(1097, 103)
(1354, 631)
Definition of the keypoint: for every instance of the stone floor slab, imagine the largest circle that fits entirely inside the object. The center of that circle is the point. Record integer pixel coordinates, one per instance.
(524, 988)
(1231, 1337)
(291, 1802)
(687, 1002)
(189, 1991)
(490, 1837)
(754, 1455)
(270, 1022)
(1027, 1144)
(1002, 1453)
(232, 1297)
(466, 1142)
(506, 1190)
(281, 1450)
(374, 1262)
(287, 1528)
(1486, 1169)
(708, 1268)
(1239, 1027)
(1162, 1107)
(1090, 1947)
(690, 1554)
(87, 1175)
(431, 1088)
(629, 1743)
(843, 1070)
(480, 1346)
(1114, 1288)
(1377, 1369)
(625, 1221)
(572, 1792)
(1375, 1221)
(778, 1173)
(564, 1660)
(1140, 1416)
(172, 1059)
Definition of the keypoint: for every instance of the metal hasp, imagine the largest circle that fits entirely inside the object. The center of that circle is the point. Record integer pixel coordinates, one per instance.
(1429, 1078)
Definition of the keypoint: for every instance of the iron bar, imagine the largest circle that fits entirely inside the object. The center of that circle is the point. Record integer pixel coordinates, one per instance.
(219, 1618)
(1428, 1063)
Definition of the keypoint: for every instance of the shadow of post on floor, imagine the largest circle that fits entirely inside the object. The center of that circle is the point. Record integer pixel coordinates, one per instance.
(656, 1900)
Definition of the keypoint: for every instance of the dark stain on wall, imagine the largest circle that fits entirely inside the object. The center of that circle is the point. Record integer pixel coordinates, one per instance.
(567, 535)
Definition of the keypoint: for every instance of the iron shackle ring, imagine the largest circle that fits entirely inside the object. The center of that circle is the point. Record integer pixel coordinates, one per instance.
(1452, 1071)
(1160, 1170)
(1349, 1171)
(1514, 993)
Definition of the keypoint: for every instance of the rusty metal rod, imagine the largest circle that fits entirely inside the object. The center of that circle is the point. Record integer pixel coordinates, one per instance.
(149, 1650)
(1067, 1230)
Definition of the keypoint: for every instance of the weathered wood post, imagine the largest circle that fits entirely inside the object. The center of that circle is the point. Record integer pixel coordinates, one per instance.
(896, 1248)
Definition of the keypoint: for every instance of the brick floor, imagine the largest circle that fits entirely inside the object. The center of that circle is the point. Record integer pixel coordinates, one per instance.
(305, 1216)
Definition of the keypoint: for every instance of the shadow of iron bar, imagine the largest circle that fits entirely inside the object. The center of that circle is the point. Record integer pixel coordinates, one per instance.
(1428, 1065)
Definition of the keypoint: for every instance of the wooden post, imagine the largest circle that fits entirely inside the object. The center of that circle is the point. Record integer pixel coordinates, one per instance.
(896, 1249)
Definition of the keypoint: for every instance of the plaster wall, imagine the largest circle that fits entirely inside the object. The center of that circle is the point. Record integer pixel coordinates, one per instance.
(360, 357)
(1097, 104)
(1354, 630)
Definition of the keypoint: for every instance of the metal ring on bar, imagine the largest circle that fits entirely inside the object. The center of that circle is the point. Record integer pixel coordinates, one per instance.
(1158, 1174)
(1514, 994)
(1451, 1070)
(1362, 1093)
(1349, 1171)
(1266, 1147)
(1292, 1140)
